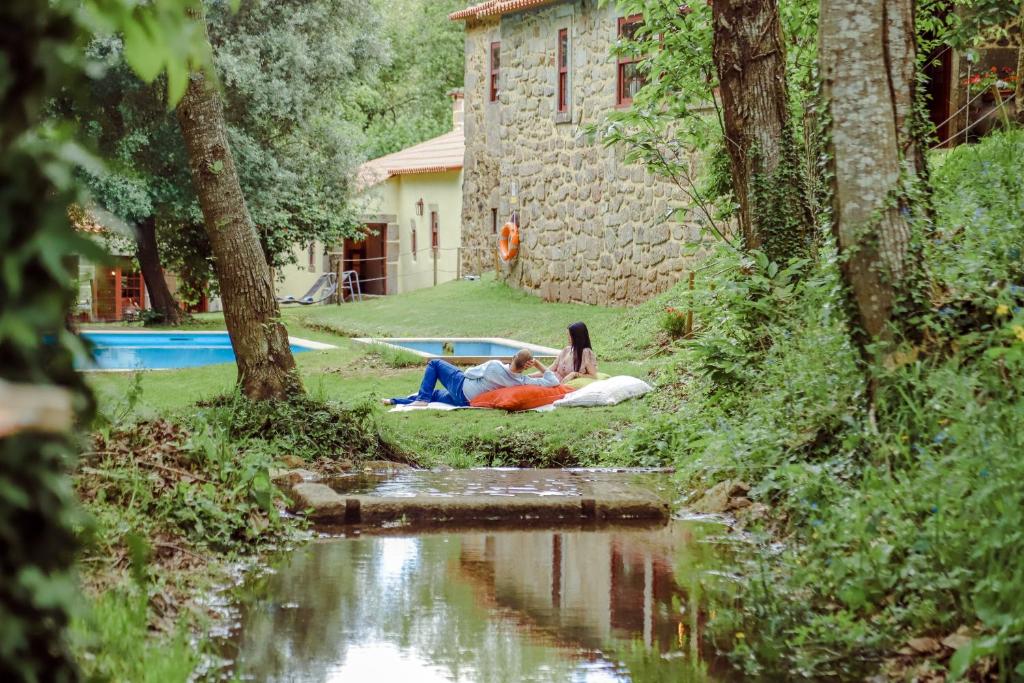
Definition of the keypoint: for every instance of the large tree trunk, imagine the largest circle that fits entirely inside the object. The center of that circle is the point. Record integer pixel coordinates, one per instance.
(867, 61)
(148, 254)
(266, 368)
(768, 179)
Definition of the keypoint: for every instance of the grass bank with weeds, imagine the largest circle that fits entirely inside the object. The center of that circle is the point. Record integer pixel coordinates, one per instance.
(903, 522)
(176, 503)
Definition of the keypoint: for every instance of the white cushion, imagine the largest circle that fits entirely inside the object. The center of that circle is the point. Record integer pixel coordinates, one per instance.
(606, 392)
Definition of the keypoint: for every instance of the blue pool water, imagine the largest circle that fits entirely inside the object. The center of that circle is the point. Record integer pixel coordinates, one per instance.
(131, 351)
(457, 348)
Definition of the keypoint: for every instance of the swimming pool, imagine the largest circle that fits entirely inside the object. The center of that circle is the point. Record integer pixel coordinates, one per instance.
(166, 350)
(461, 349)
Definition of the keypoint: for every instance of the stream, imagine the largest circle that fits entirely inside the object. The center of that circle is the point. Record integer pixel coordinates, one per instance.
(576, 603)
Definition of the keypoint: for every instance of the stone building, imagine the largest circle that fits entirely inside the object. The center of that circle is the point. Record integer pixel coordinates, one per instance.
(594, 228)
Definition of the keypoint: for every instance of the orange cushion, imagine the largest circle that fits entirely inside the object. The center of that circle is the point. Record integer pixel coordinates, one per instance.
(523, 397)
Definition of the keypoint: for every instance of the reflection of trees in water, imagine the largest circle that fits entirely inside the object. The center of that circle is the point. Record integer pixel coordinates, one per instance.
(508, 606)
(377, 590)
(613, 591)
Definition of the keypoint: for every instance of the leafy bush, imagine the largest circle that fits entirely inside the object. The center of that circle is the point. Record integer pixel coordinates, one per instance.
(900, 522)
(303, 426)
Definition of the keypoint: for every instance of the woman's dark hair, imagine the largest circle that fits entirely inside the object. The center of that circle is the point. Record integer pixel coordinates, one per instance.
(580, 340)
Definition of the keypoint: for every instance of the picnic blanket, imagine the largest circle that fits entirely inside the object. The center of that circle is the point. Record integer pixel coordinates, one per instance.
(445, 406)
(605, 392)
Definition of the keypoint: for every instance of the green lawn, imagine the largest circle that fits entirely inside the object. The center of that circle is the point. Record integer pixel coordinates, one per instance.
(352, 372)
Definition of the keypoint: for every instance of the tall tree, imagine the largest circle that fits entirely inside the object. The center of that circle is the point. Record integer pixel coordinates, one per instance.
(405, 102)
(867, 61)
(147, 253)
(287, 71)
(768, 180)
(266, 368)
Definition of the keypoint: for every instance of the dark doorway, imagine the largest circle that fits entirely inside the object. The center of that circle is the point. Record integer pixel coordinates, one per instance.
(368, 257)
(120, 292)
(939, 72)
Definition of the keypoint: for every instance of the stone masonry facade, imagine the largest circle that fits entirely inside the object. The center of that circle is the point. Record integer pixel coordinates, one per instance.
(594, 228)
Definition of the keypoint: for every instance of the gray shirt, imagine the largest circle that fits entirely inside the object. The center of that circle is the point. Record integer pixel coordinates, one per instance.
(494, 375)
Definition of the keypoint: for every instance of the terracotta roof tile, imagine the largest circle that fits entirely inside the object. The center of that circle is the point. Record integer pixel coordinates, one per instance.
(497, 7)
(443, 153)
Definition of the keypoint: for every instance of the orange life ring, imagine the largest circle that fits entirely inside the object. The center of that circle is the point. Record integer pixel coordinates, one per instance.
(508, 242)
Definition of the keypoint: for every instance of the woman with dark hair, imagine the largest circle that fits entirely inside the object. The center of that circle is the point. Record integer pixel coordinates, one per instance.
(577, 359)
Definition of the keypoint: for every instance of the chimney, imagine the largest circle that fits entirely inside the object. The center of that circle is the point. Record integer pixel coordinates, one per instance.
(458, 108)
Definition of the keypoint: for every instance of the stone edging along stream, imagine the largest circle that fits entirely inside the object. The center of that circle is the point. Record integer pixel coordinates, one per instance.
(324, 505)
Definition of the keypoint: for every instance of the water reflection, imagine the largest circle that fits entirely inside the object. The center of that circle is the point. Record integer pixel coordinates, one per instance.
(483, 607)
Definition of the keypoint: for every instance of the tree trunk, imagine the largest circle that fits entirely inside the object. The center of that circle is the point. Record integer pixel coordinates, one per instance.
(1018, 92)
(148, 254)
(899, 39)
(867, 58)
(768, 179)
(266, 369)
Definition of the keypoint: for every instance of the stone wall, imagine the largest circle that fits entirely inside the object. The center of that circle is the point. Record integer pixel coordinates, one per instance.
(594, 229)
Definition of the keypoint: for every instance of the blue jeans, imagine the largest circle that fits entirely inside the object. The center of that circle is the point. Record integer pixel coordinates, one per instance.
(450, 377)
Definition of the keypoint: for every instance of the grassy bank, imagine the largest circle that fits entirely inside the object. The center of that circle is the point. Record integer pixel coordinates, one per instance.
(175, 503)
(353, 373)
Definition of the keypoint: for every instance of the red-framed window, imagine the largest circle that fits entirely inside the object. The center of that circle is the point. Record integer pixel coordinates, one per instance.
(495, 69)
(630, 79)
(494, 221)
(563, 70)
(312, 257)
(435, 230)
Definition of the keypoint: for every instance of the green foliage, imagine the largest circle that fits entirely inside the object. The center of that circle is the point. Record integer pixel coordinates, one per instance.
(39, 160)
(978, 242)
(285, 70)
(899, 522)
(114, 643)
(158, 478)
(396, 358)
(305, 427)
(406, 101)
(160, 39)
(673, 323)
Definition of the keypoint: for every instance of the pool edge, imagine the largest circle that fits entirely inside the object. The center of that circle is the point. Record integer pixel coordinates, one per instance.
(308, 344)
(538, 350)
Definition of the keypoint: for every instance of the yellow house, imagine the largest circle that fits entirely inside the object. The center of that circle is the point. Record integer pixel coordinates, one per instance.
(411, 206)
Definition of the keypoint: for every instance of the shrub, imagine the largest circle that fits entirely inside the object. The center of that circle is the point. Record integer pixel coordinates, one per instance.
(900, 522)
(673, 323)
(303, 426)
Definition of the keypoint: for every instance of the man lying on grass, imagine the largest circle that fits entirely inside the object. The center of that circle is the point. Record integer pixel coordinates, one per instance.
(459, 388)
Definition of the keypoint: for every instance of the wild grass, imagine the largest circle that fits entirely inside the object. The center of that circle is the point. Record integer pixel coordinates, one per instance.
(481, 308)
(903, 519)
